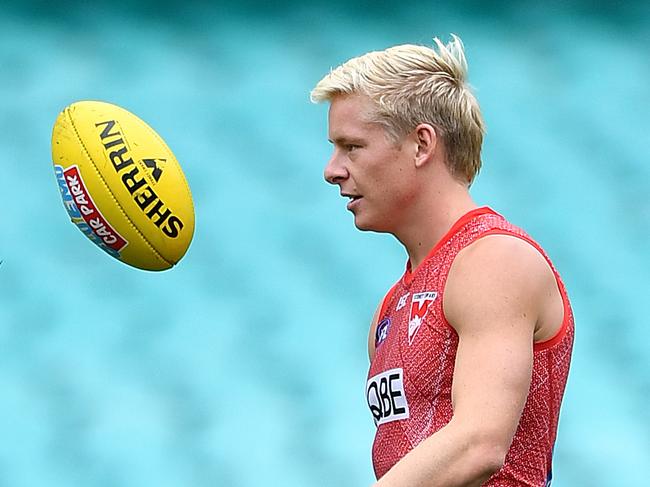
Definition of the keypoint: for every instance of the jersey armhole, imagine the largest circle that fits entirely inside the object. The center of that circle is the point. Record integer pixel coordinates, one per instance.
(561, 332)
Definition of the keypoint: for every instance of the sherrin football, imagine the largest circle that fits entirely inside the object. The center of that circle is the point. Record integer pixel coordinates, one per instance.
(122, 185)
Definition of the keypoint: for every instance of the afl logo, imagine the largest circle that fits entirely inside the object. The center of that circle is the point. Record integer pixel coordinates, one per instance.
(382, 331)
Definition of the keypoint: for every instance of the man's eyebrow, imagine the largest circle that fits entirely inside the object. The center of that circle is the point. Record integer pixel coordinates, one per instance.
(343, 140)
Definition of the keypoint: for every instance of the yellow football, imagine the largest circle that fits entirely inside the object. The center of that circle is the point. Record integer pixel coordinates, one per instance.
(122, 185)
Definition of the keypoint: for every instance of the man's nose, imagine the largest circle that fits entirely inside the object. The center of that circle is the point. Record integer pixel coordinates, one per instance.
(335, 171)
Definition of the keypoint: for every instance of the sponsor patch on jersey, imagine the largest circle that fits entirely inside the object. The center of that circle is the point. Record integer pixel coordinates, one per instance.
(381, 331)
(386, 396)
(402, 302)
(419, 309)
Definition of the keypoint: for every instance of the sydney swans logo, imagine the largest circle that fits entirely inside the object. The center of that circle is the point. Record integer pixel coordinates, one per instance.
(419, 309)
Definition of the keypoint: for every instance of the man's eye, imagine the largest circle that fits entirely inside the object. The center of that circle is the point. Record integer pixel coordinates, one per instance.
(351, 147)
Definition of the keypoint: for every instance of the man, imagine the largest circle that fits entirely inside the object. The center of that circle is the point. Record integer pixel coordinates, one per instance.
(470, 349)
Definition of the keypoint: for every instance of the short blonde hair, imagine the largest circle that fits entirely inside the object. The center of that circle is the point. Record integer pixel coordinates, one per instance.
(412, 84)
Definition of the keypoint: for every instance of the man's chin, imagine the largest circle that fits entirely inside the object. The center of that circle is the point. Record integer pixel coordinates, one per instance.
(367, 226)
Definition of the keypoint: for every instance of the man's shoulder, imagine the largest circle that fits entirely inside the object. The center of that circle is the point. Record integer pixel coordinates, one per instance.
(496, 249)
(499, 270)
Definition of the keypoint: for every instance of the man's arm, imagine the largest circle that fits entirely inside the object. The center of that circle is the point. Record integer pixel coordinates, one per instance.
(493, 299)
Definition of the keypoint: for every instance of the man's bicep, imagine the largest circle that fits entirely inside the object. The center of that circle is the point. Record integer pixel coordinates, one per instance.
(491, 380)
(491, 302)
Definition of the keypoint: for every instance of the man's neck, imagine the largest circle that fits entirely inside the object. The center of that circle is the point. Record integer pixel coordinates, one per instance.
(431, 222)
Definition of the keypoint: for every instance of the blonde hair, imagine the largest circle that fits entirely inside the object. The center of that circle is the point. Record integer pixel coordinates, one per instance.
(410, 85)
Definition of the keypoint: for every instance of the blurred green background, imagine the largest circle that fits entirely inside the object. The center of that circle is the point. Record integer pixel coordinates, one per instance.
(245, 365)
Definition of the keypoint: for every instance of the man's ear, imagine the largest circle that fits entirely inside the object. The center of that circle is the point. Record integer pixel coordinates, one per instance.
(427, 140)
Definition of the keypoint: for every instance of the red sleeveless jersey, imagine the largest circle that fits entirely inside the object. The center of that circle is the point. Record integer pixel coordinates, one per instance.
(410, 378)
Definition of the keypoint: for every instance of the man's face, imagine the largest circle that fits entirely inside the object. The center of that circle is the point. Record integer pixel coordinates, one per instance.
(375, 173)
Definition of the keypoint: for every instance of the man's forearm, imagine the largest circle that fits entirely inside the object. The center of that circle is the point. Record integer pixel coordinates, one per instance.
(451, 457)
